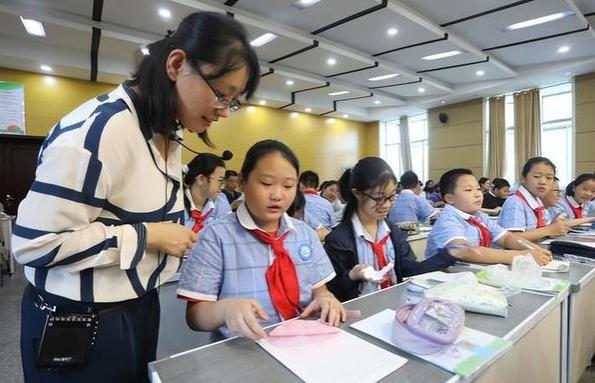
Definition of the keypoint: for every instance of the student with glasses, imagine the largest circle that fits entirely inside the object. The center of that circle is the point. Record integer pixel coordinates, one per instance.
(366, 238)
(102, 226)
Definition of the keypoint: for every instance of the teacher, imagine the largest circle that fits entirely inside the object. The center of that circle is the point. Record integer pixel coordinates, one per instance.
(100, 228)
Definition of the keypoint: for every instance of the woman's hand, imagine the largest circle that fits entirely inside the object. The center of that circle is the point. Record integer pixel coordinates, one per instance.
(170, 238)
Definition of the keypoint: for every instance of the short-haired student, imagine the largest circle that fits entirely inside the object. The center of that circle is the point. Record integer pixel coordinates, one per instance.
(258, 266)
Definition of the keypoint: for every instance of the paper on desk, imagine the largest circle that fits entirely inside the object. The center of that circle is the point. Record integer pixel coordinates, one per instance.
(470, 352)
(557, 266)
(339, 357)
(434, 278)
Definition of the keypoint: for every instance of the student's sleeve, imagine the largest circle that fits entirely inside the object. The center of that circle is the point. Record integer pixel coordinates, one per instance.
(556, 209)
(323, 270)
(408, 265)
(512, 216)
(496, 231)
(343, 259)
(446, 230)
(57, 223)
(425, 210)
(202, 273)
(332, 217)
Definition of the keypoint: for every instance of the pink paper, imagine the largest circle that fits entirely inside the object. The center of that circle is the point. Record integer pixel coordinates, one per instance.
(299, 327)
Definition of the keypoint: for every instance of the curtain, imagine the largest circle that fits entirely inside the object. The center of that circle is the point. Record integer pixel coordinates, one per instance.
(496, 153)
(527, 128)
(405, 144)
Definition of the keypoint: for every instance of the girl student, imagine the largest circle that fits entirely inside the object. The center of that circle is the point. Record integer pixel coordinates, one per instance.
(203, 183)
(524, 211)
(579, 193)
(366, 238)
(259, 266)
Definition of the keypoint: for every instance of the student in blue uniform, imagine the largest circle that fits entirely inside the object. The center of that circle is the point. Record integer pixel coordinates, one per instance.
(203, 183)
(366, 238)
(463, 224)
(524, 212)
(410, 206)
(318, 212)
(578, 193)
(230, 188)
(259, 266)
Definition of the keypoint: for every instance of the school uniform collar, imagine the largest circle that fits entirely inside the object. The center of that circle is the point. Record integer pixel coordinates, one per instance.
(492, 194)
(408, 191)
(458, 212)
(533, 202)
(572, 202)
(248, 223)
(360, 231)
(209, 205)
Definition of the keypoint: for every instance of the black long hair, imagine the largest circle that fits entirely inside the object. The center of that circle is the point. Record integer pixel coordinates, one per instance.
(261, 149)
(579, 180)
(368, 173)
(206, 38)
(205, 164)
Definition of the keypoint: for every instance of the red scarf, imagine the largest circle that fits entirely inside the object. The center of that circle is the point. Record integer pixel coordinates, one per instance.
(309, 191)
(199, 220)
(281, 276)
(484, 233)
(578, 211)
(539, 212)
(378, 248)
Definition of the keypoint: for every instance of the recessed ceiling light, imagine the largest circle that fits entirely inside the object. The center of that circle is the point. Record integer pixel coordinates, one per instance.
(345, 116)
(262, 102)
(308, 110)
(376, 102)
(145, 51)
(33, 27)
(46, 68)
(301, 4)
(392, 31)
(338, 93)
(331, 61)
(563, 49)
(421, 89)
(289, 82)
(165, 13)
(263, 39)
(480, 73)
(442, 55)
(293, 114)
(537, 21)
(385, 77)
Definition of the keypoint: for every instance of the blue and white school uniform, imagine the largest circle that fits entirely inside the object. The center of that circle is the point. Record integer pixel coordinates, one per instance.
(565, 205)
(222, 205)
(319, 212)
(410, 207)
(454, 224)
(230, 262)
(518, 215)
(215, 210)
(366, 255)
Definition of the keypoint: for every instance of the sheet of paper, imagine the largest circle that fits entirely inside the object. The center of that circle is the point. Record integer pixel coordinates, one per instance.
(339, 357)
(470, 352)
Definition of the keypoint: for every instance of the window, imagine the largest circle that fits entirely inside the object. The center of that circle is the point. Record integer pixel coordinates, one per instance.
(390, 138)
(557, 129)
(418, 139)
(509, 157)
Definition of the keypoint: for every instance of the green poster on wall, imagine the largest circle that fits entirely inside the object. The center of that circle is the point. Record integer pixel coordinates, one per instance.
(12, 108)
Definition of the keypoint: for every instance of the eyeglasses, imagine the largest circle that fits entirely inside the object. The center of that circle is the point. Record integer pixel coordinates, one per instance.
(232, 105)
(381, 200)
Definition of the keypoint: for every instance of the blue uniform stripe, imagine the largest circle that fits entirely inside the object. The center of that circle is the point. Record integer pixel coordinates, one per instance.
(86, 277)
(93, 250)
(56, 132)
(141, 243)
(41, 276)
(135, 282)
(153, 278)
(28, 233)
(66, 193)
(44, 260)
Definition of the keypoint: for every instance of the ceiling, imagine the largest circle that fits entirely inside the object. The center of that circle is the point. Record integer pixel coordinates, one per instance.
(100, 40)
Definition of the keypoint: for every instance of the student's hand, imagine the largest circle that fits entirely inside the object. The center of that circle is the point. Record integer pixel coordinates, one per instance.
(357, 273)
(235, 204)
(331, 310)
(559, 227)
(322, 232)
(242, 317)
(171, 238)
(541, 256)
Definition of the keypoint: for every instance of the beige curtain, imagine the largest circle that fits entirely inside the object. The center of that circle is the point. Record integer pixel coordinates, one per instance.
(496, 154)
(405, 144)
(527, 128)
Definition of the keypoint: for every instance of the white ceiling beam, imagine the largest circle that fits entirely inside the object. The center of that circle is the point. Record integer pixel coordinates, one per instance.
(296, 34)
(404, 10)
(579, 14)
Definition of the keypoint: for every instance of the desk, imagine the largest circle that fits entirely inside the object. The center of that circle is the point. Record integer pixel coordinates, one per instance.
(418, 243)
(532, 325)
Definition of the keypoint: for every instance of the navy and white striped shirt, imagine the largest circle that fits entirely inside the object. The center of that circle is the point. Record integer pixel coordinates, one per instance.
(81, 230)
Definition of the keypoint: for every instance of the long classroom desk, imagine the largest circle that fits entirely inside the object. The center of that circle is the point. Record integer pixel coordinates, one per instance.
(533, 326)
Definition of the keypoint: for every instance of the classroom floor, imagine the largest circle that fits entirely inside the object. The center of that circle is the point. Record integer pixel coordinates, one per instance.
(174, 334)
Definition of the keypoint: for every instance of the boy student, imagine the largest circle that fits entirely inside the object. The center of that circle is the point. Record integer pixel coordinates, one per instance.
(410, 206)
(230, 188)
(318, 212)
(463, 224)
(496, 197)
